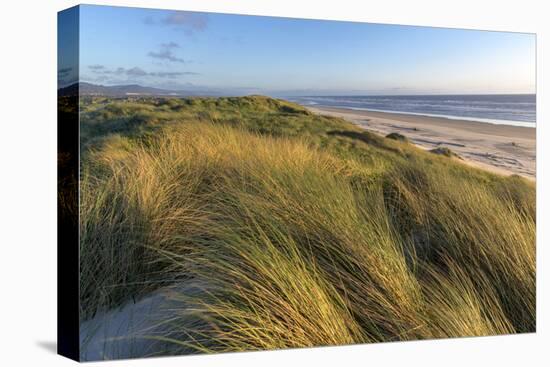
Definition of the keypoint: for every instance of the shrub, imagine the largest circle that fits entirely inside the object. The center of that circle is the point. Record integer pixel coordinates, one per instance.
(444, 151)
(397, 136)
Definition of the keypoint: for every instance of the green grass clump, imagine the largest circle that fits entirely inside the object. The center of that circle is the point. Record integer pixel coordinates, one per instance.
(444, 151)
(296, 229)
(397, 136)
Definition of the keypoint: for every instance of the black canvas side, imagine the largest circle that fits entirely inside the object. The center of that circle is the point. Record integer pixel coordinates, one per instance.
(67, 184)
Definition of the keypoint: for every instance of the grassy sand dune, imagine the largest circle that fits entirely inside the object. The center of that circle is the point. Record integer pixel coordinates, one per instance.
(301, 230)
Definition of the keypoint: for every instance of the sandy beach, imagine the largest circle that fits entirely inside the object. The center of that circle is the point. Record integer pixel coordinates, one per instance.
(502, 149)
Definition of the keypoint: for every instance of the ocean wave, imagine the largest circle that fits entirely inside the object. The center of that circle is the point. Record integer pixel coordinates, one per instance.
(501, 109)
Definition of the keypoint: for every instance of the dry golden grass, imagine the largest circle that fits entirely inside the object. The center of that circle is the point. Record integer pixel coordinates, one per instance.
(294, 244)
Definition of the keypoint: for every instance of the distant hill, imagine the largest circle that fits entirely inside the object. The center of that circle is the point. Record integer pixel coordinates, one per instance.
(90, 89)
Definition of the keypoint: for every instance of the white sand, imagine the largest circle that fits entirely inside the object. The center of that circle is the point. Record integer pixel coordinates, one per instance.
(134, 330)
(502, 149)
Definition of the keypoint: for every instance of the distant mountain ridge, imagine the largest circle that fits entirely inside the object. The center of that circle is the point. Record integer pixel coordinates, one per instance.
(89, 89)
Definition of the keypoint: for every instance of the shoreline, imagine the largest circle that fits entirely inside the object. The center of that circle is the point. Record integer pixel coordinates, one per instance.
(419, 114)
(501, 149)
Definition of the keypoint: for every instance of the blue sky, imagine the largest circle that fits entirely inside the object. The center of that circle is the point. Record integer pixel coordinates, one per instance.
(235, 54)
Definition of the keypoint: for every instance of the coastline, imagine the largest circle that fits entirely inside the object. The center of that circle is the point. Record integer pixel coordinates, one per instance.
(501, 149)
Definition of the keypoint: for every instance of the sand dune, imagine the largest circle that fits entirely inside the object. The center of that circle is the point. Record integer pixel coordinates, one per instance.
(501, 149)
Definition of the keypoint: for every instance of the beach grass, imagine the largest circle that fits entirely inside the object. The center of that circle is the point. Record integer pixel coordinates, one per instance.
(296, 229)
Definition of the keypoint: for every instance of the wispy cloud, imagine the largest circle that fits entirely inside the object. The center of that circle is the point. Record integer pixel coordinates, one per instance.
(195, 21)
(189, 22)
(102, 73)
(149, 20)
(172, 74)
(66, 76)
(166, 53)
(170, 45)
(135, 71)
(96, 67)
(64, 71)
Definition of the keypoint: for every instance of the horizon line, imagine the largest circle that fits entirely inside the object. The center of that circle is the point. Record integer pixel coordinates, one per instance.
(219, 90)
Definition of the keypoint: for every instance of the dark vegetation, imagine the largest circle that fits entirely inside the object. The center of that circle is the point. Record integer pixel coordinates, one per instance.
(397, 136)
(444, 151)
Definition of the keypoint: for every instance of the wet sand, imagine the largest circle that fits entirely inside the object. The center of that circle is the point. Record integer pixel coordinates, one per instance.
(502, 149)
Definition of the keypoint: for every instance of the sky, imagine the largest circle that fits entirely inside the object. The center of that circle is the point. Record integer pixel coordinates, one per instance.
(242, 54)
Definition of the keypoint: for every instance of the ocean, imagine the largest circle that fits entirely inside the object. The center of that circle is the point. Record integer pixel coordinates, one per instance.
(509, 109)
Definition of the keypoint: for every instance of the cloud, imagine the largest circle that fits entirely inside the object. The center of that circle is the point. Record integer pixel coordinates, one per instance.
(190, 22)
(172, 74)
(105, 74)
(195, 21)
(64, 71)
(65, 76)
(96, 67)
(149, 20)
(135, 71)
(170, 45)
(103, 70)
(166, 53)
